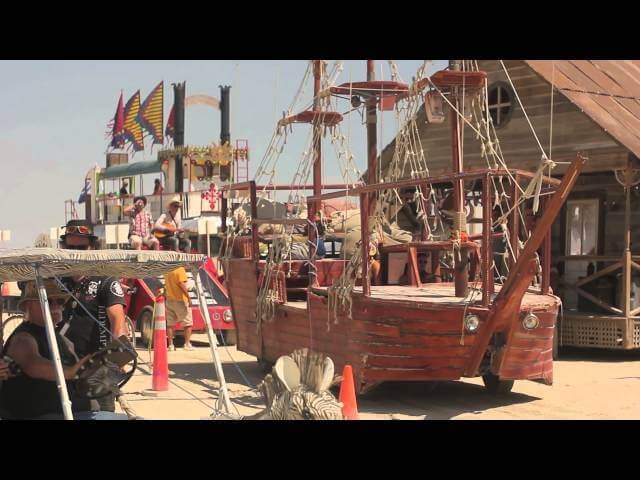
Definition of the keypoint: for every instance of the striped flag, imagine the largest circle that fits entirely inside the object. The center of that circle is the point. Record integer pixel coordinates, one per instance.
(117, 135)
(150, 116)
(132, 129)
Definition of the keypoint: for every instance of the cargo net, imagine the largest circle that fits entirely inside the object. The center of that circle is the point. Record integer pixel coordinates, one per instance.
(410, 160)
(291, 243)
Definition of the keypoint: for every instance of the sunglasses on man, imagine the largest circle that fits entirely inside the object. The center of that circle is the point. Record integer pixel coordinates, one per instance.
(81, 229)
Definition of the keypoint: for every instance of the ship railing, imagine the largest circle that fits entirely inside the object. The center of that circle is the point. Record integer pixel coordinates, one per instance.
(365, 194)
(486, 253)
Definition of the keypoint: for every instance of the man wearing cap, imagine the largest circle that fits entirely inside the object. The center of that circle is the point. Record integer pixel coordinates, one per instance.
(141, 224)
(30, 391)
(103, 297)
(169, 225)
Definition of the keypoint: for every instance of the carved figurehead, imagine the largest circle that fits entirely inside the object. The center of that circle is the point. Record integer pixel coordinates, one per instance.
(298, 389)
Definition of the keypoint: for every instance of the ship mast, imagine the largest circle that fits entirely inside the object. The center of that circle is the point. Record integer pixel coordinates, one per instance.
(372, 140)
(461, 263)
(317, 141)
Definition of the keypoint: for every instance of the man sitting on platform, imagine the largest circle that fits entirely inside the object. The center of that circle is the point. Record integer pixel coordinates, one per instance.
(169, 226)
(140, 225)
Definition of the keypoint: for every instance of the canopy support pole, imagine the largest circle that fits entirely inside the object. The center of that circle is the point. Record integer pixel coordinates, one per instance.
(53, 347)
(223, 398)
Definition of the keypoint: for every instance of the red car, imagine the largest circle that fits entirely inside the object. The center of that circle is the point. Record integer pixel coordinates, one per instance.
(141, 296)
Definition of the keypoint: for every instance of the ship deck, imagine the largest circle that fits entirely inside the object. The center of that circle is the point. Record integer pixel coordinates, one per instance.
(443, 294)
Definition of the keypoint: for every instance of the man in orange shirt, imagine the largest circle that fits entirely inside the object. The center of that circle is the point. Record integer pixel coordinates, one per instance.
(178, 306)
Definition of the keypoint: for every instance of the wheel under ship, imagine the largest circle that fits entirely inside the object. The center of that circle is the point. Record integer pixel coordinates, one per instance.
(470, 326)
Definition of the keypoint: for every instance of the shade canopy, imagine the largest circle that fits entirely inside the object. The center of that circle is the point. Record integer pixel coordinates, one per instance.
(132, 169)
(21, 264)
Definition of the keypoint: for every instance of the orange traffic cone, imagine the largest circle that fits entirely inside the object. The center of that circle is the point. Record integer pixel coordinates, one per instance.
(348, 394)
(160, 377)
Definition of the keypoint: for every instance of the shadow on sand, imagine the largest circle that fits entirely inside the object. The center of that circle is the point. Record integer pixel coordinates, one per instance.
(442, 401)
(575, 354)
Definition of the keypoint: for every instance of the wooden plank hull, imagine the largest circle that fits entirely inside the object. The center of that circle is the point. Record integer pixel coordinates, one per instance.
(390, 340)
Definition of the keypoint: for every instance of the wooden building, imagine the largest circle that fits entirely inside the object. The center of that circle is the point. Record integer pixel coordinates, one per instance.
(591, 107)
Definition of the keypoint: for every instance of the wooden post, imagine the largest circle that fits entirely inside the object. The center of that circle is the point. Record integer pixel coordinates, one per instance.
(461, 266)
(487, 242)
(514, 223)
(626, 262)
(426, 192)
(254, 217)
(546, 259)
(317, 143)
(364, 230)
(372, 134)
(312, 244)
(414, 270)
(223, 212)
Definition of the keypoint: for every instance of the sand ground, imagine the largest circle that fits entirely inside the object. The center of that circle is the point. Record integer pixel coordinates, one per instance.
(588, 384)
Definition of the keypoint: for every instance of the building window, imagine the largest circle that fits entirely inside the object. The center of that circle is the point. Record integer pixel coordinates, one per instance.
(500, 103)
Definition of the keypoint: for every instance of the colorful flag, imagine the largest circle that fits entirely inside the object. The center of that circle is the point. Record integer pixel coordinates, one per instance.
(132, 129)
(150, 115)
(170, 130)
(117, 133)
(86, 190)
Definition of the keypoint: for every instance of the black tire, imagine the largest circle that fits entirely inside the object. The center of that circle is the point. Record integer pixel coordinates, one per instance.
(230, 337)
(494, 385)
(131, 332)
(145, 325)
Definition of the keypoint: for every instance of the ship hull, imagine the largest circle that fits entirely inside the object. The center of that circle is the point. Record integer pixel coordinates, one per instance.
(399, 333)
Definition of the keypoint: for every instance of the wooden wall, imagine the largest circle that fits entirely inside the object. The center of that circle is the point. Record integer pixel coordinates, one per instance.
(573, 131)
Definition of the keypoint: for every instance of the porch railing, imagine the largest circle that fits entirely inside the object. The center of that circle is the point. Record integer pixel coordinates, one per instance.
(110, 208)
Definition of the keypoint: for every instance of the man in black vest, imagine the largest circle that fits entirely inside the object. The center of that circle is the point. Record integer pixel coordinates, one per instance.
(103, 297)
(30, 391)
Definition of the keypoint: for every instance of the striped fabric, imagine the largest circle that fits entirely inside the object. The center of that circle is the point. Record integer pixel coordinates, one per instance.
(132, 129)
(117, 134)
(151, 115)
(20, 264)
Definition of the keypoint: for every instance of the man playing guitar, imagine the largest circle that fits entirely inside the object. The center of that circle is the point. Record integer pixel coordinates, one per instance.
(169, 225)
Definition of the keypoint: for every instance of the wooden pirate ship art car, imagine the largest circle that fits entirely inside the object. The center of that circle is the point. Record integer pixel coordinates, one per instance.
(462, 292)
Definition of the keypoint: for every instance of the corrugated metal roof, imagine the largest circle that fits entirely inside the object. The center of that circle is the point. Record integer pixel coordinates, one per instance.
(605, 90)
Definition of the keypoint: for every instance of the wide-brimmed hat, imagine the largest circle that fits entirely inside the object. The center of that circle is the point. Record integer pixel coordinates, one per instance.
(81, 228)
(174, 199)
(141, 197)
(30, 291)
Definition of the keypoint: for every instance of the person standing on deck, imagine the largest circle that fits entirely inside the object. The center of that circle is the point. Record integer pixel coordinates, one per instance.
(124, 189)
(178, 306)
(157, 188)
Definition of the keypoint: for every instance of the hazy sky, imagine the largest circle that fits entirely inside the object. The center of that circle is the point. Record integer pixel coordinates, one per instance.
(53, 117)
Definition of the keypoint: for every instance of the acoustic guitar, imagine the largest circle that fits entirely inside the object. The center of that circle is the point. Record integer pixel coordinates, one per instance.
(169, 226)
